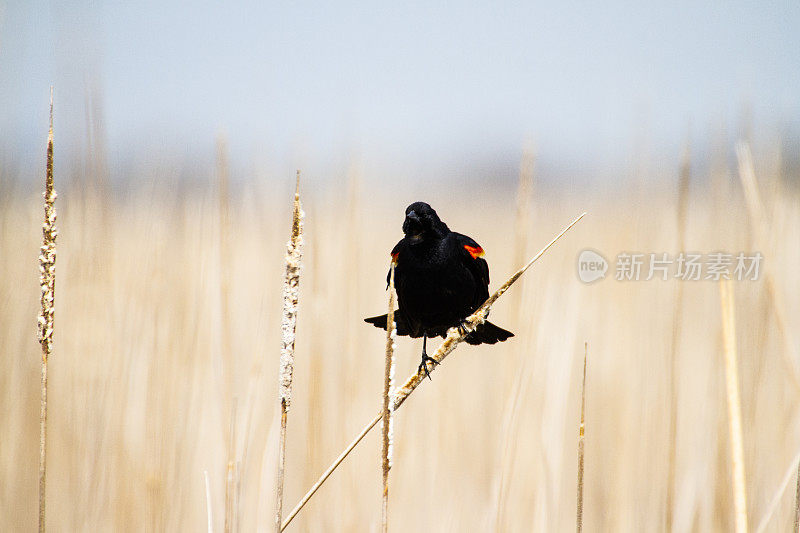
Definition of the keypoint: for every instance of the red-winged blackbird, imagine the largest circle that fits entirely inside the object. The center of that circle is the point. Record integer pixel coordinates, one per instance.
(440, 278)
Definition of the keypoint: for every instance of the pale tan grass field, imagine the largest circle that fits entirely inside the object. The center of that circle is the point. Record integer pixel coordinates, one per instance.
(137, 406)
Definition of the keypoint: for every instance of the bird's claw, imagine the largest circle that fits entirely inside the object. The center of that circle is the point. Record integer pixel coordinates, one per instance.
(423, 366)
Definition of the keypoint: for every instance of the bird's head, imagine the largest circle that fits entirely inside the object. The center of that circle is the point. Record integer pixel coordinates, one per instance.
(422, 223)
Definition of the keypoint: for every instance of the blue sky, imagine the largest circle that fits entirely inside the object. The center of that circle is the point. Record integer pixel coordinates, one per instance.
(395, 80)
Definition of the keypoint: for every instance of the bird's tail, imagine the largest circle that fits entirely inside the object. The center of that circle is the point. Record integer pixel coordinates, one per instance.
(400, 323)
(377, 321)
(488, 333)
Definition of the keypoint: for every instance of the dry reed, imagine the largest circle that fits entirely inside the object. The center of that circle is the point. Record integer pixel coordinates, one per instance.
(224, 261)
(579, 518)
(231, 476)
(209, 515)
(454, 337)
(796, 527)
(776, 498)
(128, 384)
(522, 224)
(683, 207)
(747, 176)
(225, 349)
(47, 284)
(291, 293)
(522, 218)
(387, 433)
(734, 404)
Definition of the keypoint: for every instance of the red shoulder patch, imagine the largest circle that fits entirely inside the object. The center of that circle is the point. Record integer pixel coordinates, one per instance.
(474, 251)
(394, 257)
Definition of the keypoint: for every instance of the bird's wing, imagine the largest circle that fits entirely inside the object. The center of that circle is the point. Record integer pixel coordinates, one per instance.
(394, 253)
(472, 257)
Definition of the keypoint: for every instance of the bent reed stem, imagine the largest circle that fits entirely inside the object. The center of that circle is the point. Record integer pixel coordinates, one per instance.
(454, 337)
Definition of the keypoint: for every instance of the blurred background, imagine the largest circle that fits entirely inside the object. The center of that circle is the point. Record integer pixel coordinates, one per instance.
(420, 92)
(178, 130)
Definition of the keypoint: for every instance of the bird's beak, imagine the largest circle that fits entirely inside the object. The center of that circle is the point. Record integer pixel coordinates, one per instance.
(412, 226)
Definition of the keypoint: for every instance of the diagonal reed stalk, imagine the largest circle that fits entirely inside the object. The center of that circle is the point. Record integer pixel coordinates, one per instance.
(734, 405)
(291, 294)
(453, 339)
(387, 432)
(47, 283)
(776, 498)
(579, 518)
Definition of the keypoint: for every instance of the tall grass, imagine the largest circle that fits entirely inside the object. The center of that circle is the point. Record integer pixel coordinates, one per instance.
(759, 225)
(581, 445)
(387, 411)
(291, 299)
(454, 337)
(47, 283)
(132, 426)
(677, 316)
(734, 405)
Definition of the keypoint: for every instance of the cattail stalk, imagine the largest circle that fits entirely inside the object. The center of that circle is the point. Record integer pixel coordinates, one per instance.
(291, 293)
(454, 337)
(579, 518)
(47, 283)
(388, 418)
(734, 405)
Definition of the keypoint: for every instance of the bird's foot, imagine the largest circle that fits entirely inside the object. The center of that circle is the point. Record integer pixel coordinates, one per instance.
(423, 366)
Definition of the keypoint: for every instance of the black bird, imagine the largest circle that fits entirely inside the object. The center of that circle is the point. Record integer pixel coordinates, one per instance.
(441, 278)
